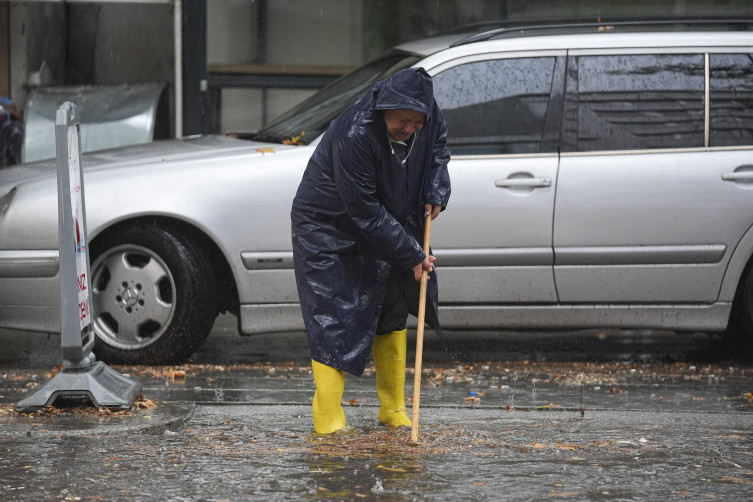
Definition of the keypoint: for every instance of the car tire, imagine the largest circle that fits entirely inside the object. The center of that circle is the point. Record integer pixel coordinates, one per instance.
(741, 319)
(153, 296)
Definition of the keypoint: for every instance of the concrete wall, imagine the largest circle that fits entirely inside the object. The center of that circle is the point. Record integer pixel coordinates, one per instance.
(89, 43)
(297, 33)
(390, 23)
(557, 9)
(233, 38)
(232, 31)
(37, 47)
(120, 43)
(4, 50)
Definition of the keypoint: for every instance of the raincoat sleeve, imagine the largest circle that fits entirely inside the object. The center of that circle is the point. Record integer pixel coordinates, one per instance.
(437, 187)
(355, 171)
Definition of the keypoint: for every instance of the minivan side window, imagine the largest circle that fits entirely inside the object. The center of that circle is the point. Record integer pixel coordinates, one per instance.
(496, 106)
(636, 102)
(731, 99)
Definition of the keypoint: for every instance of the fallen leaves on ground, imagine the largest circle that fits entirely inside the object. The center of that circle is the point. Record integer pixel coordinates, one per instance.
(390, 469)
(607, 374)
(144, 403)
(169, 373)
(181, 373)
(549, 406)
(173, 374)
(570, 447)
(81, 409)
(611, 376)
(7, 409)
(738, 481)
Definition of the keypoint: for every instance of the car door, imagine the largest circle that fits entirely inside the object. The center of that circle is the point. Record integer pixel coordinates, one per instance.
(494, 241)
(644, 213)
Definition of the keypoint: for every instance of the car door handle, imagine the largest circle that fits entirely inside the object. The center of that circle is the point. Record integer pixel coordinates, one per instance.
(739, 176)
(523, 183)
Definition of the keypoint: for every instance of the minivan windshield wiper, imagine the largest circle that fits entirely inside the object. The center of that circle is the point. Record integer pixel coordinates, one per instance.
(309, 119)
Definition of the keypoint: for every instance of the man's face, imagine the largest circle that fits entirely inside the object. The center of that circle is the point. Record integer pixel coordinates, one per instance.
(401, 124)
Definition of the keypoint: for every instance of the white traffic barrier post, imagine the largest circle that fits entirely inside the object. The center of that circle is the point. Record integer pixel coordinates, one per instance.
(82, 376)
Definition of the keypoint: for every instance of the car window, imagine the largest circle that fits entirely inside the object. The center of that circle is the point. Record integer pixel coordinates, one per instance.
(731, 99)
(496, 106)
(627, 102)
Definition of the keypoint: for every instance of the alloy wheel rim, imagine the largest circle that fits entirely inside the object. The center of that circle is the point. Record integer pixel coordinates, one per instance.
(133, 297)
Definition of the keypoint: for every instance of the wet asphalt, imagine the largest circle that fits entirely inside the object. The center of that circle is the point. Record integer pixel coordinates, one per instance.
(584, 415)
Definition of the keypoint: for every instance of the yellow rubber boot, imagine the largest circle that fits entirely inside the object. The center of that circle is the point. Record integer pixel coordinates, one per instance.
(329, 415)
(389, 359)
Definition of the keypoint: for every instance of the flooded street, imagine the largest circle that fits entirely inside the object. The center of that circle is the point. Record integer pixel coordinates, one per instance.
(581, 416)
(233, 453)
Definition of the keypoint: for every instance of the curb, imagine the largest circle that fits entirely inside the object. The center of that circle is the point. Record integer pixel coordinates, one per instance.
(70, 423)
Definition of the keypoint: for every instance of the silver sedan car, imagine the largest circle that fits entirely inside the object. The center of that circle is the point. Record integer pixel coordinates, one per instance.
(602, 177)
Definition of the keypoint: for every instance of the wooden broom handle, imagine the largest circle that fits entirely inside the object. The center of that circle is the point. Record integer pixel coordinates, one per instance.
(420, 335)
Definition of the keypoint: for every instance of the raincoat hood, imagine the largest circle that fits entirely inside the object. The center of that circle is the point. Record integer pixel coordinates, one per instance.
(409, 89)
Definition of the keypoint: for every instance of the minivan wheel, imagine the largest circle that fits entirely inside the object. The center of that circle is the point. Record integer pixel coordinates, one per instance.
(153, 297)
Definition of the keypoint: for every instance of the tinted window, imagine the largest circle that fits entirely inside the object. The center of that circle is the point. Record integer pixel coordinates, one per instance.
(497, 106)
(631, 102)
(731, 91)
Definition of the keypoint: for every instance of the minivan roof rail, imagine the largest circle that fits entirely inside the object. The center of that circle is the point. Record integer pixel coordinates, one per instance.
(504, 27)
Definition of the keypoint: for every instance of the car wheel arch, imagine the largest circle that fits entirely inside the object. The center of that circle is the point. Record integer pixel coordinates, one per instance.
(737, 288)
(740, 324)
(226, 283)
(737, 268)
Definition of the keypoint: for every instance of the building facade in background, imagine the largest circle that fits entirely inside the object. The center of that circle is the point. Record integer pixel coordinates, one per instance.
(234, 65)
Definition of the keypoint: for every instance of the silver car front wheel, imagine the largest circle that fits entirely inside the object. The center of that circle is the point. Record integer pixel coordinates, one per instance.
(153, 297)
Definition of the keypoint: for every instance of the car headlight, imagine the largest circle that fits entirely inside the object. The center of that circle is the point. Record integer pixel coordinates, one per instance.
(5, 203)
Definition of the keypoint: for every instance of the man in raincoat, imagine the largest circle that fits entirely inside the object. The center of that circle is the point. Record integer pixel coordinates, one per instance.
(358, 223)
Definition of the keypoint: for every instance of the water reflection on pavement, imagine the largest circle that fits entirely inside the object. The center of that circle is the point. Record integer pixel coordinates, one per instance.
(515, 416)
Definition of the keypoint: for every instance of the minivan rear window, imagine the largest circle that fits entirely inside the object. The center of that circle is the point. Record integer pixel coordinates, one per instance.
(731, 99)
(636, 102)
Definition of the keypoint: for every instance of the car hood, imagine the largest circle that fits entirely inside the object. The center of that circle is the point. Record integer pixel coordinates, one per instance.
(157, 153)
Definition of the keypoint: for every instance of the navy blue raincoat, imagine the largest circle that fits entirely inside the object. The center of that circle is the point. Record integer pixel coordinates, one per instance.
(359, 212)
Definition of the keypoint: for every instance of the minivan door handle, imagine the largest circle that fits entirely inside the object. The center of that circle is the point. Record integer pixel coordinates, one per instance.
(739, 176)
(523, 183)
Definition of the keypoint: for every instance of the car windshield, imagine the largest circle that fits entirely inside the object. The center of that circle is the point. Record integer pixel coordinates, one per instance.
(306, 121)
